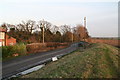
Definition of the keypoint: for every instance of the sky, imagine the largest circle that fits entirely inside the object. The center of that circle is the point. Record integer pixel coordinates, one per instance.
(102, 15)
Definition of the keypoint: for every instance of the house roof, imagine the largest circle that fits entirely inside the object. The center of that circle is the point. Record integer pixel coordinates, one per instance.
(9, 37)
(2, 29)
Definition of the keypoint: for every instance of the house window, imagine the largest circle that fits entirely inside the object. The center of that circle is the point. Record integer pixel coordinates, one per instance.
(2, 34)
(0, 43)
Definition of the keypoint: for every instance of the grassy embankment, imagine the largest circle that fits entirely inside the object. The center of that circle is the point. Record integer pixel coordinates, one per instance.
(98, 61)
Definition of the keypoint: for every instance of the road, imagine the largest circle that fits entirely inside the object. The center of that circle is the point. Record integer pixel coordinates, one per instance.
(22, 63)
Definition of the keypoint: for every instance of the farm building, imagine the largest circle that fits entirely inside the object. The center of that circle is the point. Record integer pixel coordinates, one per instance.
(6, 40)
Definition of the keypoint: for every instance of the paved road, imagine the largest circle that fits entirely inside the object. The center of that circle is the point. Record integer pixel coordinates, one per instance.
(22, 63)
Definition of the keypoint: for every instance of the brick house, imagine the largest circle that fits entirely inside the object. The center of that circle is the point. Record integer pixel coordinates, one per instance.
(6, 40)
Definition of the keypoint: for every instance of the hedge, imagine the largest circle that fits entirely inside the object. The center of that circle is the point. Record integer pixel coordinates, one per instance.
(8, 51)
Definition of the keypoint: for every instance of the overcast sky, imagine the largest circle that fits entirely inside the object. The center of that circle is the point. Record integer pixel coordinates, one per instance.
(102, 15)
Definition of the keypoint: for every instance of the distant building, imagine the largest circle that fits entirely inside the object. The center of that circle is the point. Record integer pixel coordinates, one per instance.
(6, 40)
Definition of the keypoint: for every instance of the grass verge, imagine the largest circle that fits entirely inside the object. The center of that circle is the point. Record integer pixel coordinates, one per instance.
(98, 61)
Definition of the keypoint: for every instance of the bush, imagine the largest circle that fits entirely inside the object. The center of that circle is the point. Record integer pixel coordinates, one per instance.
(52, 44)
(35, 47)
(19, 48)
(5, 52)
(8, 51)
(40, 47)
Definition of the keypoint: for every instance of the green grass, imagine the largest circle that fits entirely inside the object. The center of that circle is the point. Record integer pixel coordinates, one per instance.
(98, 61)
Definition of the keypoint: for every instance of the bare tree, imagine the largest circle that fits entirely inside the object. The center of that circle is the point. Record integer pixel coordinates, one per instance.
(47, 25)
(28, 26)
(45, 30)
(54, 29)
(81, 32)
(65, 28)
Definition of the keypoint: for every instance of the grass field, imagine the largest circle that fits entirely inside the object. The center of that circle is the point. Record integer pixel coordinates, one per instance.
(97, 61)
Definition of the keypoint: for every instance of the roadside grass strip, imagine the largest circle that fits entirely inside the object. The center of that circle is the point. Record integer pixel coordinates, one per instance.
(97, 61)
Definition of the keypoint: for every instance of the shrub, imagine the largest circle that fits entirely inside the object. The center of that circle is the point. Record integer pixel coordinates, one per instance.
(8, 51)
(35, 46)
(52, 44)
(40, 47)
(19, 48)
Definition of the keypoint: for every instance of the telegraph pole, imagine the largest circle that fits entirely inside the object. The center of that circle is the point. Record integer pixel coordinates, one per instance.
(84, 30)
(72, 37)
(85, 22)
(84, 27)
(72, 33)
(43, 30)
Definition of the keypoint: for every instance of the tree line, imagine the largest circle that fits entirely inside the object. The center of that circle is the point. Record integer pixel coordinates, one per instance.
(31, 31)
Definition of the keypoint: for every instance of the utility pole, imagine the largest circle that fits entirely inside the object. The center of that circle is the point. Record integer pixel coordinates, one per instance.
(85, 22)
(84, 27)
(43, 29)
(72, 34)
(72, 37)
